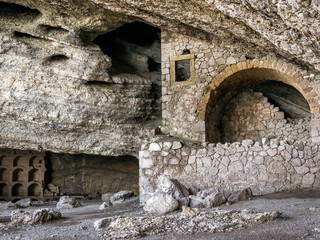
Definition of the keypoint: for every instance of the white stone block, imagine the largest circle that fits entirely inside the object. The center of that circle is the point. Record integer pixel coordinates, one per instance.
(146, 163)
(207, 162)
(154, 147)
(176, 145)
(167, 146)
(191, 159)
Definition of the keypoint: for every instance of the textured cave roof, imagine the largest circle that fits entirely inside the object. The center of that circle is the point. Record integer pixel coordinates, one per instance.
(289, 28)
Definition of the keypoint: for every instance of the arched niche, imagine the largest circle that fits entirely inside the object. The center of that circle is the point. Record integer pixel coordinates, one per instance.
(236, 77)
(4, 191)
(17, 175)
(17, 161)
(4, 174)
(34, 175)
(17, 190)
(34, 190)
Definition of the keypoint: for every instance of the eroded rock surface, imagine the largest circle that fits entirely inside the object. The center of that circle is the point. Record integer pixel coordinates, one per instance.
(57, 92)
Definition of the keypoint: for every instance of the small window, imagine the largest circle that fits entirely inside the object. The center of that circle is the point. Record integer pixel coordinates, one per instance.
(182, 69)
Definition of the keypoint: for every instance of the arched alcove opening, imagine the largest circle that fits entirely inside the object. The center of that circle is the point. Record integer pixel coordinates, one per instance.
(34, 175)
(17, 190)
(17, 175)
(98, 173)
(4, 190)
(34, 190)
(32, 161)
(135, 48)
(4, 174)
(17, 161)
(5, 161)
(257, 89)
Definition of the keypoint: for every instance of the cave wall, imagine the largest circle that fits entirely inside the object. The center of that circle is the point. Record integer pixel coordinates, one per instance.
(56, 93)
(92, 174)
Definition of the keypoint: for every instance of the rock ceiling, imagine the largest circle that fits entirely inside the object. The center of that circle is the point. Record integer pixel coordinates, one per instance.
(287, 27)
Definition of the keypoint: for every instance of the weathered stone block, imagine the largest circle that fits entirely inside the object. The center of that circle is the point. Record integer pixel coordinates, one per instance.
(146, 162)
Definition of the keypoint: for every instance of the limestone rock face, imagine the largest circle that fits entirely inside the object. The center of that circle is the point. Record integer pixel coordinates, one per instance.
(57, 93)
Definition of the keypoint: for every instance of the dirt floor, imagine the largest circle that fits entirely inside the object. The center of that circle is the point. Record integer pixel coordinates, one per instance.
(300, 220)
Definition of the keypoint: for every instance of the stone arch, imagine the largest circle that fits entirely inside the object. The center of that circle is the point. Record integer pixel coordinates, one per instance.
(4, 190)
(34, 175)
(17, 190)
(235, 77)
(4, 174)
(17, 175)
(34, 190)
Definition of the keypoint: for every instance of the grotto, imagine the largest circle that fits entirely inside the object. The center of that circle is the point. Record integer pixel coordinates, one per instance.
(127, 98)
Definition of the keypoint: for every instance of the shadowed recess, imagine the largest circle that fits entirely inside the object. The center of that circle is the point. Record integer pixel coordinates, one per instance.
(9, 10)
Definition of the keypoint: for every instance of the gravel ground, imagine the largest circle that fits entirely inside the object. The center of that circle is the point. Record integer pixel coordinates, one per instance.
(300, 220)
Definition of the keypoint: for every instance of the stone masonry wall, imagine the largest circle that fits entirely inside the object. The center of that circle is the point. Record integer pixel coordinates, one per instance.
(180, 102)
(249, 115)
(264, 167)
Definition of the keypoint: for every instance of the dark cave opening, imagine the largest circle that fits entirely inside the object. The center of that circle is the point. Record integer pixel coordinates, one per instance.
(135, 48)
(132, 48)
(287, 98)
(18, 11)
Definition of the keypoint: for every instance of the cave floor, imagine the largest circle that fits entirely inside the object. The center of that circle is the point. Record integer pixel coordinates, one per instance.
(300, 220)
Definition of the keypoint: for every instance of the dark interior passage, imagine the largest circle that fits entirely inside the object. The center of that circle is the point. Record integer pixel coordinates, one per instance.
(135, 48)
(287, 98)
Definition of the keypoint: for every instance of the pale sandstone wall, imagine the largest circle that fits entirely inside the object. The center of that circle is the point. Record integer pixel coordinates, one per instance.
(264, 167)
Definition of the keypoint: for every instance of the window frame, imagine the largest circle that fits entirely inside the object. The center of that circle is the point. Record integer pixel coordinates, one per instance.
(173, 61)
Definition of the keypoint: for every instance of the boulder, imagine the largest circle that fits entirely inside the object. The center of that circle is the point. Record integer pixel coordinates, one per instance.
(24, 203)
(101, 223)
(8, 205)
(66, 202)
(240, 195)
(196, 202)
(183, 202)
(193, 190)
(208, 191)
(105, 205)
(121, 196)
(106, 196)
(172, 187)
(161, 203)
(43, 215)
(19, 217)
(180, 190)
(214, 200)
